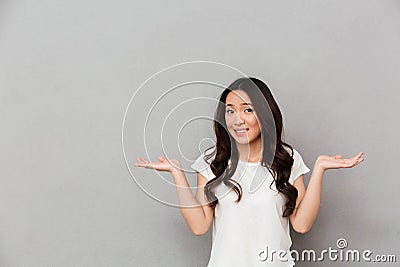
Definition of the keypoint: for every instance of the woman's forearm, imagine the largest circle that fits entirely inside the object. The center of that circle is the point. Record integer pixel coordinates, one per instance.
(308, 208)
(191, 209)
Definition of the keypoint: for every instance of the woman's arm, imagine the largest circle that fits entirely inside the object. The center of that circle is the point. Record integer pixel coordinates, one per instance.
(308, 201)
(197, 217)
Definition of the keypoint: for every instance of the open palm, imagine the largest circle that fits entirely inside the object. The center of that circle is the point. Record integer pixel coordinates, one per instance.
(336, 162)
(163, 164)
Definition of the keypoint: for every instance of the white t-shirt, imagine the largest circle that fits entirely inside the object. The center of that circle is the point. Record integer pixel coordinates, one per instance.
(247, 233)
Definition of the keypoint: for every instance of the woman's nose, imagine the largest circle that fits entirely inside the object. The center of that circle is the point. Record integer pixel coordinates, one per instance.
(238, 120)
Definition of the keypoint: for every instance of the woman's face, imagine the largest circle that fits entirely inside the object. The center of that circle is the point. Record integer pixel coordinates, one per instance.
(240, 117)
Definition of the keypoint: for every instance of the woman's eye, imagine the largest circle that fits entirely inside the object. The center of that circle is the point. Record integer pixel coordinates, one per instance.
(228, 111)
(249, 109)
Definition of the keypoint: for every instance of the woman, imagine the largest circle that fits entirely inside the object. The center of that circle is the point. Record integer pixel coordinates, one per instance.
(252, 183)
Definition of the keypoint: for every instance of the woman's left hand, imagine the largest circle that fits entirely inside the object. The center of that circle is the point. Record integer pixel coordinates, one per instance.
(336, 162)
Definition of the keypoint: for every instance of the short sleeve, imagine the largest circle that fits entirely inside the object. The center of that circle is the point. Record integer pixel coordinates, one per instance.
(298, 168)
(203, 167)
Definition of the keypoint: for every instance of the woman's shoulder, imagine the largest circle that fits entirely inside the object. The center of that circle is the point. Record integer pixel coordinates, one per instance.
(202, 165)
(291, 153)
(297, 158)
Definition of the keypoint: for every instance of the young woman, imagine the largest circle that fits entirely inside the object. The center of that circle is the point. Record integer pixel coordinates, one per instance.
(252, 183)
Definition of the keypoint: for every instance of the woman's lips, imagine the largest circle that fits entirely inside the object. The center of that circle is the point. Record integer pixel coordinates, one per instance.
(242, 132)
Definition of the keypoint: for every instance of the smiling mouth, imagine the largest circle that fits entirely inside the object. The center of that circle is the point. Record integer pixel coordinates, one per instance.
(241, 131)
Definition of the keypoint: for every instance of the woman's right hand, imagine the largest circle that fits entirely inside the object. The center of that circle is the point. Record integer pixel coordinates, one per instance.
(164, 164)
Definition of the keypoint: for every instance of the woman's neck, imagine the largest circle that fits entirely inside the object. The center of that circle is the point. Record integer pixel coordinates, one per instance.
(251, 152)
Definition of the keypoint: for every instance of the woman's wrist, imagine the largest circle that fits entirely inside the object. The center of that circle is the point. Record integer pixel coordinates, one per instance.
(318, 166)
(176, 170)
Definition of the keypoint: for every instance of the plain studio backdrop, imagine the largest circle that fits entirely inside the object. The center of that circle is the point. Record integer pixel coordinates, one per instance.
(68, 71)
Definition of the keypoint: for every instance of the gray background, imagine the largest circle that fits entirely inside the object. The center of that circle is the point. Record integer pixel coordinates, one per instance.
(69, 69)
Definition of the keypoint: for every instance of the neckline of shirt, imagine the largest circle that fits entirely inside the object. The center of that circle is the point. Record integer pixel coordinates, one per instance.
(249, 163)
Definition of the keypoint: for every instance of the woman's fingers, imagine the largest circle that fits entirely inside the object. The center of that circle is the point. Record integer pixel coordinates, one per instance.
(357, 156)
(161, 165)
(149, 165)
(140, 164)
(354, 162)
(335, 162)
(143, 160)
(350, 160)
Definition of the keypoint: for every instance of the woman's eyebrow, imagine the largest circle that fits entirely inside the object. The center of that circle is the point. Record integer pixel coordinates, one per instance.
(243, 104)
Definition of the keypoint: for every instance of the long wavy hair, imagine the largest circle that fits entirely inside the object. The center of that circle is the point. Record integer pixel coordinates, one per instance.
(274, 156)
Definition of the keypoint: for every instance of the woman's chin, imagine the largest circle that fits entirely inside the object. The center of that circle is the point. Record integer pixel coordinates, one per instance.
(241, 141)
